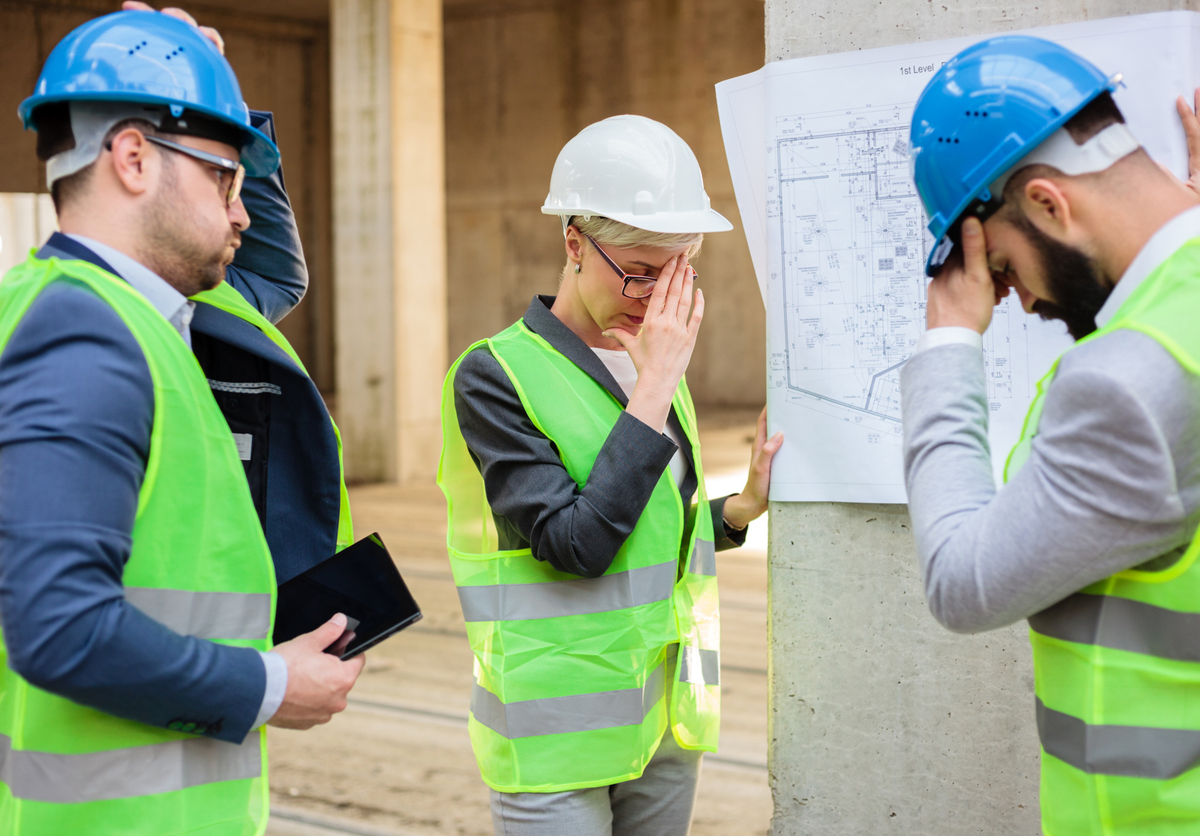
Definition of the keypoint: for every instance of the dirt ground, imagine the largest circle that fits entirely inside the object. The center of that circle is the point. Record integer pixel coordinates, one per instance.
(398, 761)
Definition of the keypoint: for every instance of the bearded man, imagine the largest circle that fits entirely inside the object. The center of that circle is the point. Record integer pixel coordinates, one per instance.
(1093, 536)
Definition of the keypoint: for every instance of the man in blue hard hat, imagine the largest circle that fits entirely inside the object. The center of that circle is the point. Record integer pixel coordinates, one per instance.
(1033, 183)
(165, 461)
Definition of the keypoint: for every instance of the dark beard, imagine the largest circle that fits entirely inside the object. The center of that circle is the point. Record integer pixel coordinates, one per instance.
(1072, 278)
(173, 248)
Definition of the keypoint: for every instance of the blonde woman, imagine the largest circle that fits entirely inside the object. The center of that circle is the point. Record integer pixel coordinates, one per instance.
(580, 534)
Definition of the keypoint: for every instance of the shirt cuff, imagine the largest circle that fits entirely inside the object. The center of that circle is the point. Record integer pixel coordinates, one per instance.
(949, 335)
(277, 679)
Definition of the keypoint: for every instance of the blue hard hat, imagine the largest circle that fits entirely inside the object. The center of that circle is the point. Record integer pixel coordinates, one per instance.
(984, 110)
(153, 59)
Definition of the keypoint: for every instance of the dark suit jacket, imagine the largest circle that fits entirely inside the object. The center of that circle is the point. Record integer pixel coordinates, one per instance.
(76, 409)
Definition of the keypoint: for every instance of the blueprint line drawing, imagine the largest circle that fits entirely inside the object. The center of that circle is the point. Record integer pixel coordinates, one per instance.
(851, 244)
(852, 251)
(818, 153)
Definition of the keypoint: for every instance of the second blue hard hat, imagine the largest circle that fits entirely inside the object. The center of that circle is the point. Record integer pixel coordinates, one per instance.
(988, 107)
(152, 59)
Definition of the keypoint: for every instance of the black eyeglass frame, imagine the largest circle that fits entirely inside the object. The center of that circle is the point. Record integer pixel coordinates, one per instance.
(233, 166)
(628, 277)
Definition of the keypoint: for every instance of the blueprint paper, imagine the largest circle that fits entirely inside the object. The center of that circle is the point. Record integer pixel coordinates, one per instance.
(838, 239)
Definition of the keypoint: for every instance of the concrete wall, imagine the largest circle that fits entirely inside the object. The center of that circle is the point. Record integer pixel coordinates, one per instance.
(523, 77)
(389, 235)
(881, 721)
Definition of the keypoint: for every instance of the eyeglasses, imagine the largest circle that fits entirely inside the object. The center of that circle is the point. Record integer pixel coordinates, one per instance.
(231, 169)
(636, 287)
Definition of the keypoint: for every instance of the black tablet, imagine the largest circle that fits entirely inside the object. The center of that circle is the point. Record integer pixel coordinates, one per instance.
(360, 581)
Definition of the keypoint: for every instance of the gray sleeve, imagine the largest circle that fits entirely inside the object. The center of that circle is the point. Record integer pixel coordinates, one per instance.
(535, 500)
(1098, 494)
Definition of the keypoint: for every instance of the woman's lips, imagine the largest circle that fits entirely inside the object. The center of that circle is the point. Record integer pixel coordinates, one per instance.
(636, 320)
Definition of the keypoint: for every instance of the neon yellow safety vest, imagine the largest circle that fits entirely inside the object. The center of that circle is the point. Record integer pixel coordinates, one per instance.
(66, 768)
(1117, 664)
(569, 671)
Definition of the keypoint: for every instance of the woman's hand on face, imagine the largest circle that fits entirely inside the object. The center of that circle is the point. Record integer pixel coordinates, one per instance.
(751, 503)
(663, 348)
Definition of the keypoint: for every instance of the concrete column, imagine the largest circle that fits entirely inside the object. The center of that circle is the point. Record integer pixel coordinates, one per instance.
(389, 234)
(881, 720)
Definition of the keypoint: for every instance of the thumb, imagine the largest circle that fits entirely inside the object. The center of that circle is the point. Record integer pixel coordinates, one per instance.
(974, 248)
(329, 632)
(620, 335)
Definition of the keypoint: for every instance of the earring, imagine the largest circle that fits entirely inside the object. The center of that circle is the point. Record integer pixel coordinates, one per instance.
(577, 267)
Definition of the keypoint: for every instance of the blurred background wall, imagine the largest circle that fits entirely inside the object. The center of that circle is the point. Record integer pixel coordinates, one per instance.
(523, 77)
(520, 78)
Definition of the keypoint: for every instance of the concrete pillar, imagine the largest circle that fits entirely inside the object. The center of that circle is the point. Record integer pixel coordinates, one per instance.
(389, 234)
(881, 720)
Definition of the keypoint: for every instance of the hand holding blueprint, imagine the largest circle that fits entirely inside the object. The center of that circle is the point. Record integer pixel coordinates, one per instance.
(818, 150)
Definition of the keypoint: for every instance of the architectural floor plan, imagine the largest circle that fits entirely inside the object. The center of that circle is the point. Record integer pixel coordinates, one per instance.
(818, 150)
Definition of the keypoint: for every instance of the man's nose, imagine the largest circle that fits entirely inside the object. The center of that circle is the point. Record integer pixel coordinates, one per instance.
(238, 217)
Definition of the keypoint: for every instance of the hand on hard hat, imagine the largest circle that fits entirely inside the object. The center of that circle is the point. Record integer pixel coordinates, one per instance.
(964, 292)
(208, 32)
(662, 350)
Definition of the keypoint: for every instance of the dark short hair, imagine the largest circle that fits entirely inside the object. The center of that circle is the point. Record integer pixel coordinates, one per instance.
(55, 135)
(1095, 116)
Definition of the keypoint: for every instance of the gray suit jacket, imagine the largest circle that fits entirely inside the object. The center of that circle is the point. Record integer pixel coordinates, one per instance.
(1113, 480)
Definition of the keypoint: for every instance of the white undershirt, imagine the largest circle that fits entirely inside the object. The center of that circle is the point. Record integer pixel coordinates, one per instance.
(621, 367)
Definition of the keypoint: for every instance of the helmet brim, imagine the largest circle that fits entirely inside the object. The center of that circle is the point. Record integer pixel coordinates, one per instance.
(259, 154)
(682, 223)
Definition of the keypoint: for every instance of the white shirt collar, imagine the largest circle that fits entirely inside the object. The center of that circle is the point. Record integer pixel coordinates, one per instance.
(1162, 245)
(175, 308)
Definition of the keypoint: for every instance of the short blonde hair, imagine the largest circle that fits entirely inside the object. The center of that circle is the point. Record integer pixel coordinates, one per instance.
(607, 231)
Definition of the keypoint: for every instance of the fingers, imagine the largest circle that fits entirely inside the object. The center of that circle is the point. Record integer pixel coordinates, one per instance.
(620, 335)
(135, 6)
(760, 430)
(685, 295)
(180, 14)
(697, 314)
(356, 664)
(658, 297)
(674, 286)
(1191, 130)
(974, 249)
(327, 633)
(214, 36)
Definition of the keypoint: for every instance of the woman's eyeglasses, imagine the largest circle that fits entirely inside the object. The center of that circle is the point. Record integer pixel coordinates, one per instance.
(636, 287)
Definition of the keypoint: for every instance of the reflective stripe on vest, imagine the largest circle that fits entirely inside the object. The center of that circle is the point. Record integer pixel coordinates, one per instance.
(526, 601)
(1122, 624)
(704, 558)
(206, 615)
(563, 715)
(198, 563)
(1131, 751)
(127, 773)
(700, 666)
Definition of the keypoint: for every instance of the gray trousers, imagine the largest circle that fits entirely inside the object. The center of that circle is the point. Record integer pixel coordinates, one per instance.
(657, 804)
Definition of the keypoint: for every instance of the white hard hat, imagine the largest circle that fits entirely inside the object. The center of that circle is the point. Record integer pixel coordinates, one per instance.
(635, 171)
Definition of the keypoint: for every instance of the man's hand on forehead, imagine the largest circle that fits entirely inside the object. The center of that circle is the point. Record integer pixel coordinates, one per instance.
(964, 291)
(208, 32)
